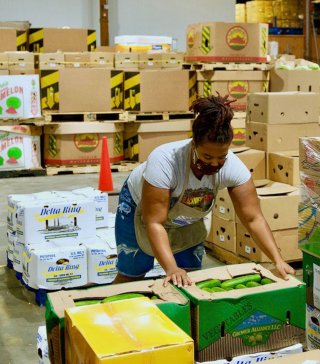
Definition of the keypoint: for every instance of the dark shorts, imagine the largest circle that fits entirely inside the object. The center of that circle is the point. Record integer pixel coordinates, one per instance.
(132, 261)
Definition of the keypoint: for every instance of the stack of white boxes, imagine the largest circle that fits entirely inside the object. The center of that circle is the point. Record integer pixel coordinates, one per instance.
(63, 239)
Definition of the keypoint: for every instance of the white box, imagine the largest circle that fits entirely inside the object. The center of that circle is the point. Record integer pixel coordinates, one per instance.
(55, 265)
(102, 260)
(100, 201)
(39, 222)
(19, 97)
(312, 327)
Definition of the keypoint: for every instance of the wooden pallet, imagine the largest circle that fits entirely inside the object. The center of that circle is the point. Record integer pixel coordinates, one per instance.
(33, 121)
(228, 257)
(23, 173)
(124, 166)
(227, 66)
(129, 116)
(73, 169)
(81, 116)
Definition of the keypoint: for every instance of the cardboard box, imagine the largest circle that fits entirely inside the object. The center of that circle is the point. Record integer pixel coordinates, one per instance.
(150, 60)
(98, 90)
(308, 357)
(55, 265)
(175, 91)
(101, 60)
(50, 61)
(62, 146)
(226, 324)
(286, 241)
(19, 97)
(124, 61)
(171, 301)
(62, 219)
(236, 84)
(223, 206)
(3, 61)
(278, 137)
(313, 328)
(47, 40)
(141, 138)
(13, 40)
(284, 167)
(254, 159)
(311, 272)
(20, 147)
(141, 333)
(142, 43)
(277, 107)
(294, 80)
(77, 59)
(223, 234)
(21, 61)
(227, 42)
(309, 152)
(172, 59)
(279, 204)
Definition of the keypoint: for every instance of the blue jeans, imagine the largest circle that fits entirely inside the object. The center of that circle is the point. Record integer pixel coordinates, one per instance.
(132, 261)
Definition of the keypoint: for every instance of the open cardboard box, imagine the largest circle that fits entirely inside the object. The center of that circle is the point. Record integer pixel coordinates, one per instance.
(308, 357)
(171, 302)
(227, 324)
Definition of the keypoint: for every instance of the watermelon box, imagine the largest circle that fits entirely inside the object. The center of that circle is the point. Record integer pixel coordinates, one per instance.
(170, 301)
(19, 97)
(229, 323)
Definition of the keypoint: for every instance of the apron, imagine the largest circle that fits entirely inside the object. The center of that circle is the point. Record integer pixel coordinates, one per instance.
(180, 237)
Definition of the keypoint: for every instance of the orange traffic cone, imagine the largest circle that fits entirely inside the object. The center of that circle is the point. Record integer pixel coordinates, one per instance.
(105, 177)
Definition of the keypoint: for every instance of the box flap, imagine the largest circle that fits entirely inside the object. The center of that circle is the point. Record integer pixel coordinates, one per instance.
(275, 188)
(80, 128)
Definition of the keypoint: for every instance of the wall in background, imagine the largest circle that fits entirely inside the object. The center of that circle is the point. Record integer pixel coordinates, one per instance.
(53, 13)
(126, 17)
(165, 17)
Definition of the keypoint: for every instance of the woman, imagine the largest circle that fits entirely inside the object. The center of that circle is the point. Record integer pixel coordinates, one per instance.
(165, 203)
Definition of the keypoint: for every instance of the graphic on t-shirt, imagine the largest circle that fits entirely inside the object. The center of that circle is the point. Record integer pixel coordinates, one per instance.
(200, 199)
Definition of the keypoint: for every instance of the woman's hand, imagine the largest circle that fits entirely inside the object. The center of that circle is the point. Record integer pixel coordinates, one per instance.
(284, 269)
(178, 276)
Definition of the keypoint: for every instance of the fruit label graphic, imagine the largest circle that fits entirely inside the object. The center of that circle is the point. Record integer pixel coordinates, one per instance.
(190, 38)
(11, 151)
(86, 143)
(238, 89)
(239, 136)
(11, 100)
(237, 38)
(19, 97)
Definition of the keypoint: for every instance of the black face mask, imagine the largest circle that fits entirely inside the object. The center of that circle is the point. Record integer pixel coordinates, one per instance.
(205, 168)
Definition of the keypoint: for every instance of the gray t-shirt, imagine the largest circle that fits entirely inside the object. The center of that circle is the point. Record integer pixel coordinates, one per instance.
(166, 168)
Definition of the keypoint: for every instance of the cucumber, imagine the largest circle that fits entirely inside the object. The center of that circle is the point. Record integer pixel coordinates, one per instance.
(209, 283)
(123, 296)
(266, 281)
(217, 289)
(241, 280)
(252, 284)
(240, 286)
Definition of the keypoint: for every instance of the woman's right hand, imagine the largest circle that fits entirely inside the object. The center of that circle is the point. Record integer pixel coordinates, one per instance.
(178, 277)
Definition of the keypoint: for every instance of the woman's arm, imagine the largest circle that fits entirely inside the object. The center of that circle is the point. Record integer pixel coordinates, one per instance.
(155, 204)
(247, 207)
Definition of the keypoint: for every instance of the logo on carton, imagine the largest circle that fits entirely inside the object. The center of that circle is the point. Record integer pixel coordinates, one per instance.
(237, 38)
(238, 89)
(190, 38)
(239, 136)
(86, 143)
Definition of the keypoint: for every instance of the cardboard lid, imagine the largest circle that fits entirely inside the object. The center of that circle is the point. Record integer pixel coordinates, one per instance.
(21, 129)
(270, 188)
(81, 128)
(165, 126)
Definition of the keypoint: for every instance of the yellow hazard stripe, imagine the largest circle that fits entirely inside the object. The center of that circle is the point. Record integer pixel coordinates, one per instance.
(21, 39)
(36, 36)
(132, 82)
(117, 79)
(91, 38)
(50, 79)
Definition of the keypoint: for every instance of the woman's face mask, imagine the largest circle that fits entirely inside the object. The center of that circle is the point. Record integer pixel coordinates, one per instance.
(207, 168)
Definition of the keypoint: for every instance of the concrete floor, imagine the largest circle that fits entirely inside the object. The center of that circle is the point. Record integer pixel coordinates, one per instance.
(20, 317)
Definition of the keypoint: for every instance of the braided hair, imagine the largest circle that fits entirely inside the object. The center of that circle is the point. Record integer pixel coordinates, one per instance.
(213, 119)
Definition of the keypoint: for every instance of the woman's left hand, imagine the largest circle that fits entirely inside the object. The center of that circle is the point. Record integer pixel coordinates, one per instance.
(284, 269)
